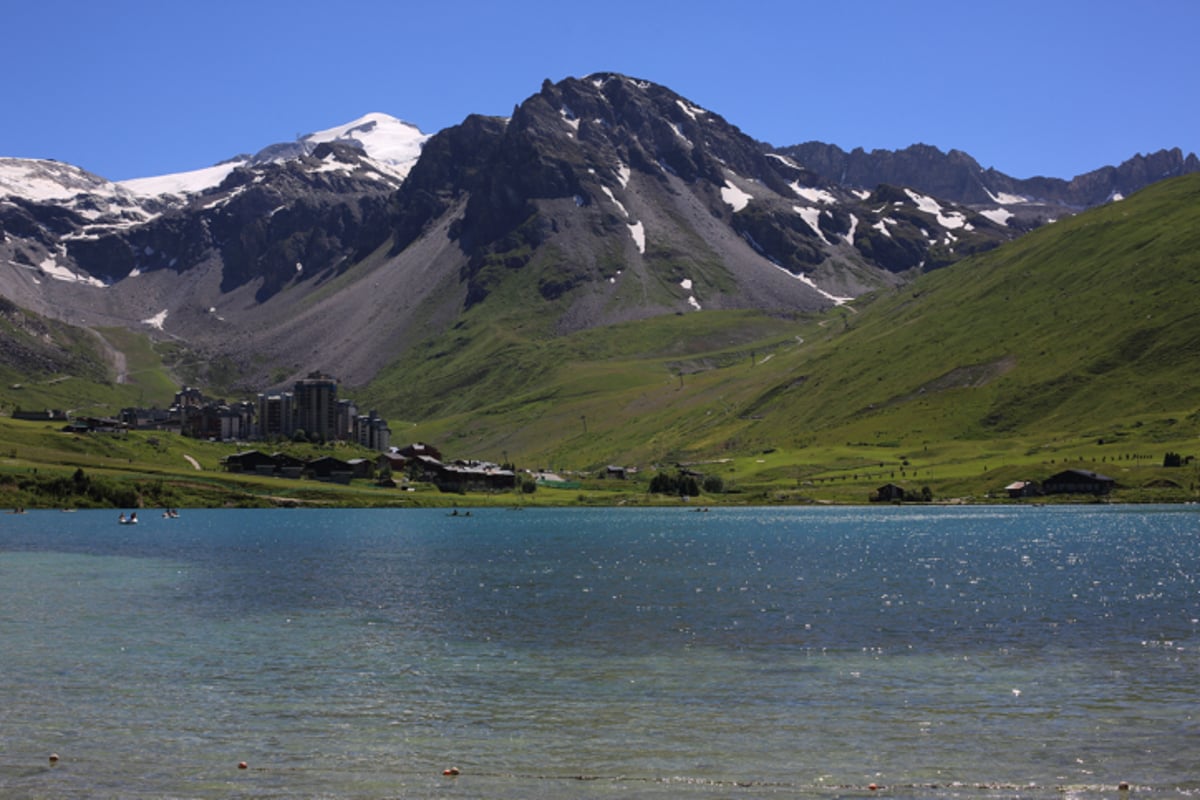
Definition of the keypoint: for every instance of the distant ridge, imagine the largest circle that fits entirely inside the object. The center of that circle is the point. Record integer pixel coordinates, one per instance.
(959, 177)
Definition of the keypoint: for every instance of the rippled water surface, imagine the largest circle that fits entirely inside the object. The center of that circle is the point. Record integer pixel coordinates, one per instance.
(933, 653)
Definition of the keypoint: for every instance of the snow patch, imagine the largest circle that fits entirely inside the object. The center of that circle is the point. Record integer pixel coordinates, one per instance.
(1006, 199)
(853, 228)
(615, 201)
(954, 219)
(686, 284)
(813, 217)
(569, 118)
(813, 195)
(690, 110)
(623, 174)
(638, 232)
(807, 281)
(735, 197)
(51, 268)
(786, 161)
(157, 320)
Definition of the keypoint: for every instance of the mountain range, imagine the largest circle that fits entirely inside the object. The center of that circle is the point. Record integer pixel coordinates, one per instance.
(372, 248)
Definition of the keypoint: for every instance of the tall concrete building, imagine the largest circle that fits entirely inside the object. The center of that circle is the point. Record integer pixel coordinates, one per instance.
(315, 407)
(372, 431)
(275, 415)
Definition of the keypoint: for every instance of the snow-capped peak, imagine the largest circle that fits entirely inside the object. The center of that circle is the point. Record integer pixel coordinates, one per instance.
(394, 145)
(43, 180)
(384, 138)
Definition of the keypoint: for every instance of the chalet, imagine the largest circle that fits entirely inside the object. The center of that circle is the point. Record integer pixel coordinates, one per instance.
(362, 467)
(1078, 481)
(289, 466)
(418, 450)
(474, 476)
(889, 492)
(95, 425)
(393, 461)
(425, 468)
(1018, 489)
(251, 461)
(328, 468)
(46, 415)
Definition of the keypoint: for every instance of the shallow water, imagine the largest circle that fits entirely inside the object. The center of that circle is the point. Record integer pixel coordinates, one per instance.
(991, 652)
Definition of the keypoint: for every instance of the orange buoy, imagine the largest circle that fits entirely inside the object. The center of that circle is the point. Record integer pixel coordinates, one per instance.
(450, 771)
(243, 765)
(873, 787)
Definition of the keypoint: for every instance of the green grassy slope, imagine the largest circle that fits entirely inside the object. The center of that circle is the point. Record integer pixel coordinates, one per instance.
(1083, 323)
(1061, 347)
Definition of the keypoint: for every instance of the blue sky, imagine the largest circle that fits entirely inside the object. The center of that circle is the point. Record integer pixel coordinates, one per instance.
(133, 88)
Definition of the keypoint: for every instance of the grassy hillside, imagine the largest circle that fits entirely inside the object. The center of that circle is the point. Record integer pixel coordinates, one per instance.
(1075, 344)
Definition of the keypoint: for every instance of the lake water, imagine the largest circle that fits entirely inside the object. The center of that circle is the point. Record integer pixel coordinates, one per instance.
(767, 652)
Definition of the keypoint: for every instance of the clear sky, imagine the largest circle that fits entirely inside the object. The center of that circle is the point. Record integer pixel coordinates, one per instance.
(134, 88)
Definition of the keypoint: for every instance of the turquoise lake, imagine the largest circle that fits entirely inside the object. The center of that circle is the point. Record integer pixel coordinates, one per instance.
(992, 652)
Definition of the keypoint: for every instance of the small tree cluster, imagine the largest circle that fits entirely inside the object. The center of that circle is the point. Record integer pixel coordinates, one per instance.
(680, 483)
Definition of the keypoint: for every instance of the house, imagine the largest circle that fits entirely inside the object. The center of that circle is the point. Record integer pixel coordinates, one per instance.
(362, 467)
(46, 415)
(425, 468)
(95, 425)
(1078, 481)
(474, 476)
(889, 492)
(250, 461)
(328, 468)
(289, 466)
(393, 461)
(418, 450)
(1018, 489)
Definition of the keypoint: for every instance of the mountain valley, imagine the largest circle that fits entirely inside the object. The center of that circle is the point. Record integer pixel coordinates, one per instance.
(615, 275)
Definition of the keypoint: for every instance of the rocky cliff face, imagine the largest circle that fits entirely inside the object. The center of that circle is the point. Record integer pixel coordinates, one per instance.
(606, 187)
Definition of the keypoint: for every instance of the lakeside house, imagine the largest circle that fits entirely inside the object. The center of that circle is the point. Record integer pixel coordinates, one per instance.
(1018, 489)
(889, 492)
(1078, 481)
